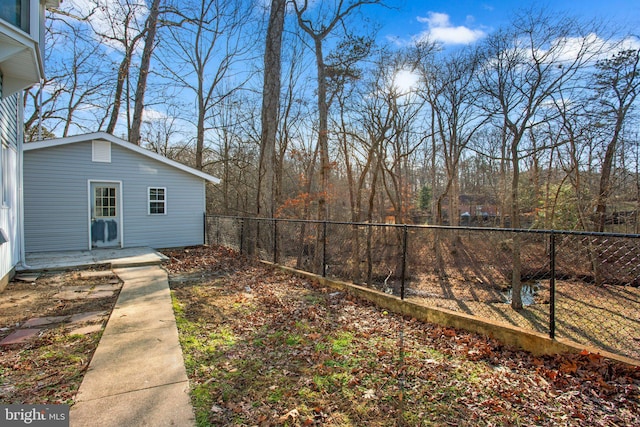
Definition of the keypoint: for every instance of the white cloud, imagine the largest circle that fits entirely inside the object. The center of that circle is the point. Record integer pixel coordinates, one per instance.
(107, 17)
(440, 29)
(435, 19)
(630, 43)
(589, 48)
(150, 115)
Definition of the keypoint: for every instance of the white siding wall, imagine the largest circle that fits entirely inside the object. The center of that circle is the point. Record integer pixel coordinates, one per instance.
(9, 115)
(56, 199)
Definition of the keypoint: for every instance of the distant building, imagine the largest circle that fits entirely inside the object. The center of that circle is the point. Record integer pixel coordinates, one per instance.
(477, 206)
(474, 209)
(97, 190)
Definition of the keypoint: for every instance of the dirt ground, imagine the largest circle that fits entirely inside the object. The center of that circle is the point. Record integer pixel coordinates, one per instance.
(66, 312)
(604, 316)
(471, 273)
(266, 348)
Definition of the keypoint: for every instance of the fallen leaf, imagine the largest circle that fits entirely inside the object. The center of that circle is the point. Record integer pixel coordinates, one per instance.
(369, 394)
(569, 367)
(291, 414)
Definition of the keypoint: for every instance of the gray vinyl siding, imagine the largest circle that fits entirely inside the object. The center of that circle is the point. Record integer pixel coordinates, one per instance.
(9, 119)
(9, 250)
(57, 200)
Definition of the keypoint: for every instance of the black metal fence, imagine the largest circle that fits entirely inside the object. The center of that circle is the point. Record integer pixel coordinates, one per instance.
(578, 285)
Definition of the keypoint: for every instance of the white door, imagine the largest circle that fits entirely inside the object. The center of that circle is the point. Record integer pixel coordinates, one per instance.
(105, 221)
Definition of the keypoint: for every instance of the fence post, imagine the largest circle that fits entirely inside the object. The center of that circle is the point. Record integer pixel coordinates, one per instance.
(404, 260)
(241, 235)
(205, 229)
(275, 241)
(218, 230)
(552, 286)
(324, 249)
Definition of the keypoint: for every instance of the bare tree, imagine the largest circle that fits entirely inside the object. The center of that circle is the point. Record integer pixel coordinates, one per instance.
(75, 79)
(343, 78)
(450, 90)
(292, 119)
(119, 26)
(235, 126)
(202, 45)
(617, 84)
(270, 108)
(375, 130)
(318, 28)
(150, 29)
(522, 67)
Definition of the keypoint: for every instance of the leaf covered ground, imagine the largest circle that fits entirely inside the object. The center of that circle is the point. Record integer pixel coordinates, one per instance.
(49, 367)
(265, 348)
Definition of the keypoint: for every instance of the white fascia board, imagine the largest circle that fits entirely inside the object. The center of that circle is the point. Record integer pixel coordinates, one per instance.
(122, 143)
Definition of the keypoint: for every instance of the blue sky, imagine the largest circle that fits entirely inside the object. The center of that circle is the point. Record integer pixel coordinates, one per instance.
(452, 22)
(463, 19)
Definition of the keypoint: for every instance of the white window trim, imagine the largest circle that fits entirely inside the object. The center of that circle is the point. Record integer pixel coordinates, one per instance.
(120, 211)
(156, 201)
(4, 175)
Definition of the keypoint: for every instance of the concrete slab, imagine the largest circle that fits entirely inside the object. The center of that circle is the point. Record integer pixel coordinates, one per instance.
(64, 260)
(133, 361)
(100, 294)
(83, 292)
(144, 284)
(27, 277)
(136, 376)
(137, 372)
(85, 330)
(89, 316)
(44, 321)
(163, 406)
(71, 295)
(129, 257)
(42, 261)
(19, 336)
(140, 317)
(109, 287)
(96, 274)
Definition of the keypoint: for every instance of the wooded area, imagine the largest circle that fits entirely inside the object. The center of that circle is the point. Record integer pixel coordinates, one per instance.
(535, 125)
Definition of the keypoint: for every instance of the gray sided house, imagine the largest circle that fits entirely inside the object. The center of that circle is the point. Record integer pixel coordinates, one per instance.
(96, 191)
(22, 29)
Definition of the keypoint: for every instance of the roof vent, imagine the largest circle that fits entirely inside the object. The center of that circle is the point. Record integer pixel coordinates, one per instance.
(101, 151)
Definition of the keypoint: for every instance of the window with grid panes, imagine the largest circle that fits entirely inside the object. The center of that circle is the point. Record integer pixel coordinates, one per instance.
(105, 202)
(157, 201)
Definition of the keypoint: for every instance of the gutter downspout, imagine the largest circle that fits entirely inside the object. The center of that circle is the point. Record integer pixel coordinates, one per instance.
(20, 141)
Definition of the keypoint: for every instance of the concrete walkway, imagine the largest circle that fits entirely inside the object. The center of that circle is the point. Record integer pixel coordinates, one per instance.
(40, 261)
(137, 375)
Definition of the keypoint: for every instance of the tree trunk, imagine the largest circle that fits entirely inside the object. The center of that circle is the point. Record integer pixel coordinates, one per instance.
(123, 71)
(323, 129)
(323, 144)
(270, 108)
(200, 131)
(605, 177)
(516, 283)
(145, 63)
